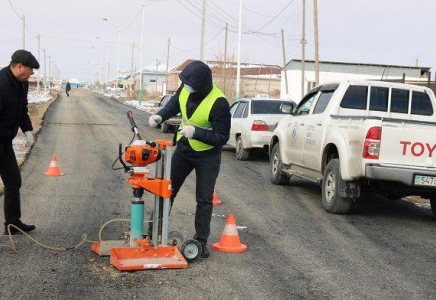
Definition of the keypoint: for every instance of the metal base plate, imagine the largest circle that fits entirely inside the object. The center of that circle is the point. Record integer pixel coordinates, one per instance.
(132, 259)
(103, 248)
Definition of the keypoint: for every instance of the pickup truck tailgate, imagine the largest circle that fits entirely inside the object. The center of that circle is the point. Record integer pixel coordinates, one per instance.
(408, 144)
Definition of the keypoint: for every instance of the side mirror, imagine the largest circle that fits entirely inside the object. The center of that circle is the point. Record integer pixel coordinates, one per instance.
(287, 108)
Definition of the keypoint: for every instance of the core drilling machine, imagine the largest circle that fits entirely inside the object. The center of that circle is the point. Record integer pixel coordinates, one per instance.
(163, 250)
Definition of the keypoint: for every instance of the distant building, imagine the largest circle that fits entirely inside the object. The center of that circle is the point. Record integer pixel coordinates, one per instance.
(255, 78)
(153, 78)
(74, 82)
(338, 71)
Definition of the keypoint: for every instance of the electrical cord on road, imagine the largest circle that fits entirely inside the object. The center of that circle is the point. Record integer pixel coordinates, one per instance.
(83, 241)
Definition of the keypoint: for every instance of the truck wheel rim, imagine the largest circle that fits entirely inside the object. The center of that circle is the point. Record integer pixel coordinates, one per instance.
(275, 163)
(330, 187)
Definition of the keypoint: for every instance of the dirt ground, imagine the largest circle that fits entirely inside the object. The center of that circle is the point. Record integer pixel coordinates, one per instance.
(36, 113)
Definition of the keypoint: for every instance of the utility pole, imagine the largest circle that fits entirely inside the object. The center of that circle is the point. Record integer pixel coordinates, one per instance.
(118, 61)
(107, 65)
(315, 20)
(45, 72)
(140, 55)
(238, 72)
(157, 69)
(132, 75)
(203, 26)
(168, 62)
(24, 32)
(49, 72)
(225, 58)
(39, 61)
(257, 78)
(284, 63)
(303, 44)
(133, 56)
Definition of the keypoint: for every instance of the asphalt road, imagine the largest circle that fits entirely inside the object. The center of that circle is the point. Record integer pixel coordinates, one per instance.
(384, 250)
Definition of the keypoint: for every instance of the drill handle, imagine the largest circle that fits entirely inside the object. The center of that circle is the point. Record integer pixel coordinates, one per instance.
(133, 124)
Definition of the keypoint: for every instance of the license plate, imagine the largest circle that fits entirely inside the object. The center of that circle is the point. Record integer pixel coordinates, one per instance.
(425, 180)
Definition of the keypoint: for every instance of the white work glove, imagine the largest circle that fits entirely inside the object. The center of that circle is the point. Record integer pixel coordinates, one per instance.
(155, 120)
(29, 138)
(188, 131)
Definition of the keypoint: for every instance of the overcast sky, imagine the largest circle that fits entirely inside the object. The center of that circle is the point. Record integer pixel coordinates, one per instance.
(365, 31)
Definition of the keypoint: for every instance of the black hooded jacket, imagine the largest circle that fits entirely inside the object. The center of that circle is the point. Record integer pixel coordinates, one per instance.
(199, 76)
(13, 107)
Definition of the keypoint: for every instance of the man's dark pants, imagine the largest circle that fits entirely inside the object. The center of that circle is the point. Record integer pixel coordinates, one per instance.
(11, 177)
(206, 170)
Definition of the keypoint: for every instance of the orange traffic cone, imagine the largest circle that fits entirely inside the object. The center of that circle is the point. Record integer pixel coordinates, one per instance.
(216, 201)
(53, 170)
(230, 241)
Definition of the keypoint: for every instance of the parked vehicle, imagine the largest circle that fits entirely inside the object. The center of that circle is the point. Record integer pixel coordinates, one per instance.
(359, 136)
(253, 121)
(169, 124)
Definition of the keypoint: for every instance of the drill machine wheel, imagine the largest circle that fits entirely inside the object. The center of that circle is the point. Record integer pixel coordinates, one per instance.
(191, 250)
(175, 238)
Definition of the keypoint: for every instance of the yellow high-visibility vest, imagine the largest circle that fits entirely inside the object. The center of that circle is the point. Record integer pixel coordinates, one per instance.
(200, 118)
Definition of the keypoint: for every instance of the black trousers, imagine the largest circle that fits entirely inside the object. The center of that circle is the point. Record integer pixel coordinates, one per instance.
(11, 177)
(206, 170)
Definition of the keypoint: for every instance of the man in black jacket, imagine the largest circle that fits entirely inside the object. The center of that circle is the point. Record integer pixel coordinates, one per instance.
(204, 130)
(13, 115)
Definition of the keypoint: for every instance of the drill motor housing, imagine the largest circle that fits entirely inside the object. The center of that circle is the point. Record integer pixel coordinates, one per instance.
(141, 155)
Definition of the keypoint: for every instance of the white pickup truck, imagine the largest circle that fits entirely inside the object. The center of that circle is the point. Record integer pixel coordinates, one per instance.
(357, 136)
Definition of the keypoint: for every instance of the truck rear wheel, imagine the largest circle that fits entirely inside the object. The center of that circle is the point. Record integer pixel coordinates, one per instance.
(276, 165)
(331, 201)
(433, 206)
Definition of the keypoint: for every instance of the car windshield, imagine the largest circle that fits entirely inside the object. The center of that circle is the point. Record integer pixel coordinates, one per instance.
(266, 107)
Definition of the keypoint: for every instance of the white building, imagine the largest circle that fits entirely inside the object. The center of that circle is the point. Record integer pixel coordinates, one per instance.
(338, 71)
(153, 78)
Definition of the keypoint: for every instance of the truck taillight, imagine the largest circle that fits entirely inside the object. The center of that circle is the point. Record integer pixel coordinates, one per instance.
(371, 147)
(259, 126)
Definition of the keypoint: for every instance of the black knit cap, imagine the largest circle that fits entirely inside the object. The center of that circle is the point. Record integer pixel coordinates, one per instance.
(26, 58)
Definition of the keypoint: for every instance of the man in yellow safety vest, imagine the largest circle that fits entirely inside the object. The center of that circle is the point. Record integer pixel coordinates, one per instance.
(205, 128)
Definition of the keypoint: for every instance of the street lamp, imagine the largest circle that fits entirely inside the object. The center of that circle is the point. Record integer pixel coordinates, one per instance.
(118, 53)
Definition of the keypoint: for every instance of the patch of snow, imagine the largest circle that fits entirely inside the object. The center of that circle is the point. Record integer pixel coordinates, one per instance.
(423, 205)
(19, 140)
(41, 97)
(151, 68)
(74, 81)
(147, 106)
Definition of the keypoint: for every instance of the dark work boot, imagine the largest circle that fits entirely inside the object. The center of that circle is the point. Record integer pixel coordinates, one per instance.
(21, 225)
(204, 250)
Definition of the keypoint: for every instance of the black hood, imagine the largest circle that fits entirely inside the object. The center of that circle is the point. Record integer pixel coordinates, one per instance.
(198, 75)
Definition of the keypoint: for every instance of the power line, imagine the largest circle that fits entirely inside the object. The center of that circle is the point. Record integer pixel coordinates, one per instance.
(13, 8)
(191, 50)
(275, 17)
(21, 18)
(251, 10)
